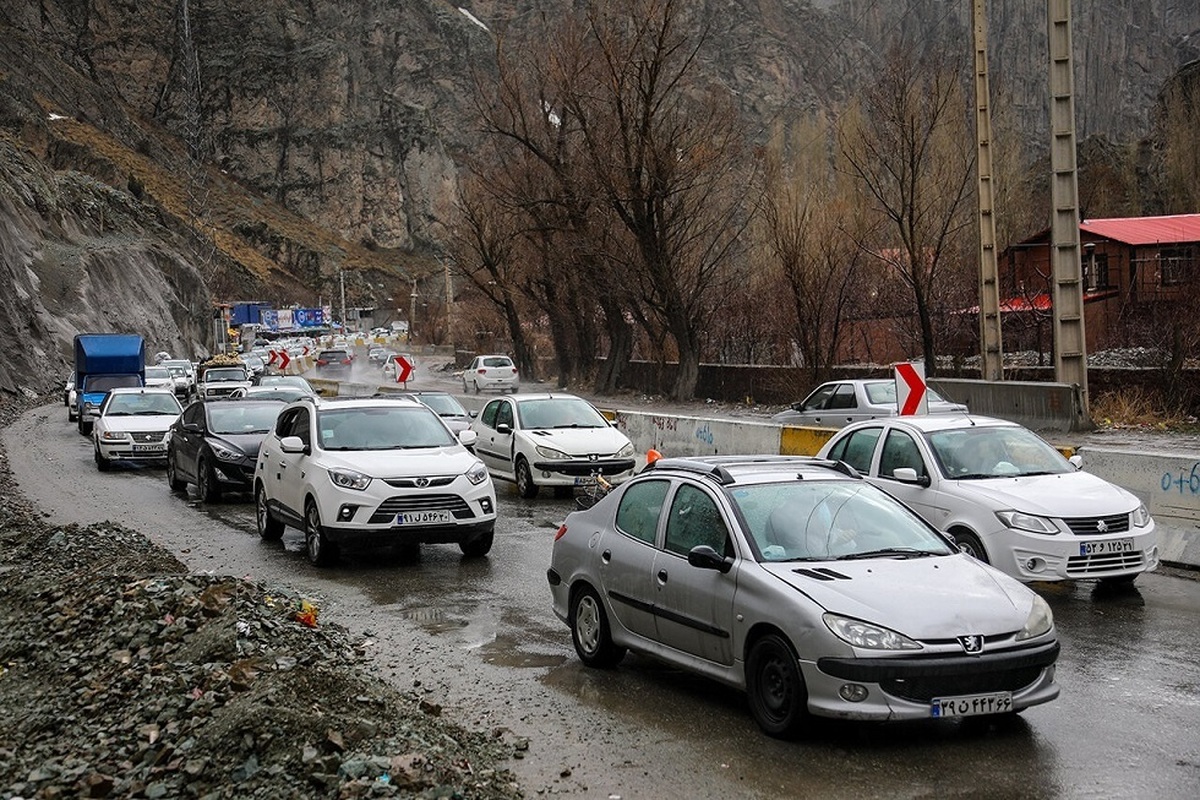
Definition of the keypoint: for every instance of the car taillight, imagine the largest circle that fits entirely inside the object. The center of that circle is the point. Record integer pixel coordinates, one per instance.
(562, 531)
(321, 362)
(345, 361)
(482, 371)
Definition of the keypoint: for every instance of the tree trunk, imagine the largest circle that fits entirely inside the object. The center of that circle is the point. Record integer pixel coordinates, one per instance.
(620, 348)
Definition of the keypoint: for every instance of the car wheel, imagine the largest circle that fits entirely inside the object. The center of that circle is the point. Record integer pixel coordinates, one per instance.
(525, 485)
(969, 543)
(476, 384)
(775, 687)
(102, 463)
(268, 527)
(206, 482)
(321, 552)
(590, 632)
(477, 547)
(85, 428)
(173, 480)
(70, 414)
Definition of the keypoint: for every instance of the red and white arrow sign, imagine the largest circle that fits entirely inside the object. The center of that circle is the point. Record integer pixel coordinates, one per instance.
(284, 359)
(271, 356)
(911, 396)
(403, 370)
(305, 350)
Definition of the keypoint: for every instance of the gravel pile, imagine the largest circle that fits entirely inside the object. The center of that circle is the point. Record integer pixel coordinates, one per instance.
(123, 676)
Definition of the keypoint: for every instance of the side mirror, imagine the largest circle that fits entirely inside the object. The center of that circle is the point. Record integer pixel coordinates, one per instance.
(1076, 461)
(705, 557)
(472, 414)
(504, 427)
(909, 475)
(193, 427)
(468, 437)
(292, 444)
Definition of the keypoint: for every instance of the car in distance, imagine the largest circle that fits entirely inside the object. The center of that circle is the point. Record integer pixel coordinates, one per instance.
(491, 372)
(780, 576)
(222, 380)
(550, 439)
(159, 377)
(1004, 495)
(133, 424)
(446, 406)
(371, 471)
(334, 362)
(184, 374)
(839, 403)
(292, 381)
(214, 444)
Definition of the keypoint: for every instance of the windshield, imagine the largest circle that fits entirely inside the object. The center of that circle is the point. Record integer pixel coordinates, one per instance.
(157, 373)
(102, 383)
(241, 418)
(445, 405)
(382, 428)
(829, 520)
(228, 374)
(139, 404)
(559, 412)
(285, 380)
(1006, 451)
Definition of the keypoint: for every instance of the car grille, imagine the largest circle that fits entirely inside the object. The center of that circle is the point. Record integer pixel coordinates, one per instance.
(389, 508)
(148, 437)
(924, 689)
(1091, 526)
(411, 483)
(1083, 566)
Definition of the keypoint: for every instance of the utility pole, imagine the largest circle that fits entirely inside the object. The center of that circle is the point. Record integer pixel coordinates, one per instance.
(342, 281)
(990, 343)
(1070, 344)
(412, 311)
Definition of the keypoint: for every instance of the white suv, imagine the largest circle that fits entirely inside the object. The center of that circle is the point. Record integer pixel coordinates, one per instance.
(371, 472)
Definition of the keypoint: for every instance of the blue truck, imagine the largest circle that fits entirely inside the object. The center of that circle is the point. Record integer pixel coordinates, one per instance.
(105, 361)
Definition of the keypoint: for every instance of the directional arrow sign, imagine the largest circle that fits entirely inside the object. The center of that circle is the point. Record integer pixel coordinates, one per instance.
(911, 397)
(403, 370)
(273, 356)
(284, 359)
(305, 349)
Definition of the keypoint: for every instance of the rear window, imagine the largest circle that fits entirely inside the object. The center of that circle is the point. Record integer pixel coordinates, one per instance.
(498, 361)
(333, 355)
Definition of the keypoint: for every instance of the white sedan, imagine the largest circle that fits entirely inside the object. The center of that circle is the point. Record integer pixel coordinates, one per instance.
(133, 425)
(1005, 495)
(556, 440)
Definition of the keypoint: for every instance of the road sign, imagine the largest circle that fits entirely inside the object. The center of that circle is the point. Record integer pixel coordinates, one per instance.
(272, 356)
(911, 395)
(403, 370)
(284, 360)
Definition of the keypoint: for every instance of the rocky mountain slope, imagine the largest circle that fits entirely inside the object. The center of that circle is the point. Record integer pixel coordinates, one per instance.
(161, 154)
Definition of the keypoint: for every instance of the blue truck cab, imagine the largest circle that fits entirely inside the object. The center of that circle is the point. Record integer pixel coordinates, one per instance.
(104, 361)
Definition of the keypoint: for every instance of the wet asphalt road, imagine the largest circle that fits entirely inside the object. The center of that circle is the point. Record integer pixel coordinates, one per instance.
(478, 637)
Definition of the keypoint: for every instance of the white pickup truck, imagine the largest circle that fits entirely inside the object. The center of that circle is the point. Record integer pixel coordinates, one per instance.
(222, 380)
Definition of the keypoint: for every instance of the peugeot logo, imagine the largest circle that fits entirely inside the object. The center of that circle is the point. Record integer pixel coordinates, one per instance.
(1102, 526)
(971, 644)
(593, 457)
(421, 482)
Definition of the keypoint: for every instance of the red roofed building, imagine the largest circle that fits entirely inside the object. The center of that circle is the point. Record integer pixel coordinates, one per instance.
(1134, 269)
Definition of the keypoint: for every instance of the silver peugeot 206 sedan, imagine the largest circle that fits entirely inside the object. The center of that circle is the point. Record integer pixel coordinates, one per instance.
(798, 582)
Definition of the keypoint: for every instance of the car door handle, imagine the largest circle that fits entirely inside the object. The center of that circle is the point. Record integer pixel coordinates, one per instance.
(662, 576)
(606, 556)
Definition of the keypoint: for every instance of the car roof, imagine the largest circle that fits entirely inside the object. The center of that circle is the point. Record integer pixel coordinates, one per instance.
(335, 404)
(141, 390)
(935, 422)
(522, 396)
(727, 470)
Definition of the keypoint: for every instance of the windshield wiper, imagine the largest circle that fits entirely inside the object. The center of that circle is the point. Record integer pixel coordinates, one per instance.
(897, 552)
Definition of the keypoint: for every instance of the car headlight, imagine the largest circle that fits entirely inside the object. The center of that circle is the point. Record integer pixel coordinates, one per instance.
(349, 479)
(477, 474)
(1040, 620)
(550, 452)
(626, 451)
(857, 633)
(1027, 522)
(226, 453)
(1141, 516)
(114, 436)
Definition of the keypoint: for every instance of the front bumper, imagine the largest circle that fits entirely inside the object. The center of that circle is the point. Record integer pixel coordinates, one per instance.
(1038, 557)
(572, 472)
(127, 450)
(372, 517)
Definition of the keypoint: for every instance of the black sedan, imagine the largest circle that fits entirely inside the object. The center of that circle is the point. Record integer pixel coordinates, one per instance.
(214, 444)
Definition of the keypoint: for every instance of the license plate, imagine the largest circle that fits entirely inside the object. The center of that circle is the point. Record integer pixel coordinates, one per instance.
(1106, 547)
(149, 448)
(423, 517)
(970, 705)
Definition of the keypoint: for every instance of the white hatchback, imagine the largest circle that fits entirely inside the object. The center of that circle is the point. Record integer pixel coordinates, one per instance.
(556, 440)
(1005, 495)
(371, 472)
(133, 425)
(491, 372)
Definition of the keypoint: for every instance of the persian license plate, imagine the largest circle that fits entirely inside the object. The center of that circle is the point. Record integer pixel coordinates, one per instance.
(1106, 547)
(970, 705)
(423, 517)
(149, 448)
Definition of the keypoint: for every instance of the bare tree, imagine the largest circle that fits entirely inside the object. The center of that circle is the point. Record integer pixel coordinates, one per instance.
(910, 148)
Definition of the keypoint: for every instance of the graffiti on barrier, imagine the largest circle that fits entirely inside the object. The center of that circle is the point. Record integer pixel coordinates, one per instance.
(665, 423)
(704, 434)
(1186, 482)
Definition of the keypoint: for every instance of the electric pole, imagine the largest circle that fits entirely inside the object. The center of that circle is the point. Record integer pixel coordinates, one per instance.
(990, 343)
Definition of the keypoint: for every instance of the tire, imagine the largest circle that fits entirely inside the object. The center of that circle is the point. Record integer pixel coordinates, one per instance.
(70, 414)
(477, 547)
(173, 480)
(103, 464)
(321, 552)
(775, 688)
(590, 632)
(85, 427)
(969, 543)
(525, 485)
(269, 528)
(206, 482)
(476, 385)
(465, 389)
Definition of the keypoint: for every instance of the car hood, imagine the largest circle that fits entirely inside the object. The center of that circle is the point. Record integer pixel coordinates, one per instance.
(449, 460)
(248, 443)
(923, 598)
(156, 422)
(1069, 494)
(578, 441)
